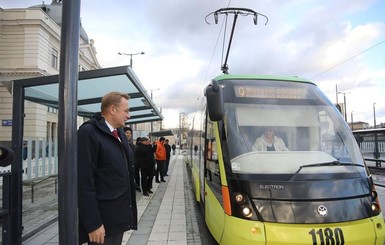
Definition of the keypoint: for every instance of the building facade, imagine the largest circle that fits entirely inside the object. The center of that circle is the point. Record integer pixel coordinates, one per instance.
(30, 47)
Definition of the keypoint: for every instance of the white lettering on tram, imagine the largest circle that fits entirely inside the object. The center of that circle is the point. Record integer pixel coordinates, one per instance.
(276, 187)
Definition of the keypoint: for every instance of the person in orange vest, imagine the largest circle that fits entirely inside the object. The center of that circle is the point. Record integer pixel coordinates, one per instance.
(160, 157)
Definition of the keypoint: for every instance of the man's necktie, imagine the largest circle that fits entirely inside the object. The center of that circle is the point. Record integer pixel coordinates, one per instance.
(115, 133)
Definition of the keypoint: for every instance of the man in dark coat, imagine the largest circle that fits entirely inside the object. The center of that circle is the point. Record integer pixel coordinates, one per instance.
(145, 156)
(106, 193)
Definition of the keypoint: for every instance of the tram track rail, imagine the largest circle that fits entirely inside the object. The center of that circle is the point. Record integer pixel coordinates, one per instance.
(377, 170)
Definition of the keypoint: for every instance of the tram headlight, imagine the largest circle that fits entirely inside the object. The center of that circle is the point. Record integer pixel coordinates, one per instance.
(243, 207)
(239, 198)
(375, 207)
(374, 195)
(246, 211)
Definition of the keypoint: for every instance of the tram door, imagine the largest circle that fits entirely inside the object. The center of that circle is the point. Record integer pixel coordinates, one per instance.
(214, 213)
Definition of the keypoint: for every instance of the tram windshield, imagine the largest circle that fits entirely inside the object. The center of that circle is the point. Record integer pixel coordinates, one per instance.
(281, 128)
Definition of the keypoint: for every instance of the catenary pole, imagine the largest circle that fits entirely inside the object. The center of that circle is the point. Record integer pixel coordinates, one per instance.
(67, 126)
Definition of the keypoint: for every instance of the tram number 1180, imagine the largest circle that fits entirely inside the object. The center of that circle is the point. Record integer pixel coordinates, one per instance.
(327, 236)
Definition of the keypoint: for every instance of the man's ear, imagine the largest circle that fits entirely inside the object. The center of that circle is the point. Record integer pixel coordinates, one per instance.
(112, 109)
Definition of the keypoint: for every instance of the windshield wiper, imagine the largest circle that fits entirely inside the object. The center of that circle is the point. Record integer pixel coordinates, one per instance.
(333, 163)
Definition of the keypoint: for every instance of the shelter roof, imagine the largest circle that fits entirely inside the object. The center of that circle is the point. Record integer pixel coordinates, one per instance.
(161, 133)
(92, 85)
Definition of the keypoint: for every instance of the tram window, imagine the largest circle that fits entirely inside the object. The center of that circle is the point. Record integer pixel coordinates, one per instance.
(211, 150)
(248, 136)
(212, 166)
(271, 139)
(313, 133)
(294, 138)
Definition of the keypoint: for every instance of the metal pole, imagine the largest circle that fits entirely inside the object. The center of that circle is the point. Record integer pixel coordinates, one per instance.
(346, 117)
(225, 68)
(15, 232)
(351, 117)
(376, 152)
(345, 107)
(160, 122)
(180, 132)
(374, 115)
(131, 60)
(151, 125)
(336, 95)
(67, 126)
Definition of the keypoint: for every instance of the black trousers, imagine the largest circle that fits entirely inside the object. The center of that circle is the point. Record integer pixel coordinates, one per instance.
(165, 166)
(147, 173)
(137, 176)
(159, 169)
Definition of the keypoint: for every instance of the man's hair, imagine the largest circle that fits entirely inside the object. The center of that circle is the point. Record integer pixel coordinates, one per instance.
(127, 129)
(112, 98)
(162, 138)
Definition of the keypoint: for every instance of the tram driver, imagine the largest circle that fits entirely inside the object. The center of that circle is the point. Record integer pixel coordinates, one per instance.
(268, 141)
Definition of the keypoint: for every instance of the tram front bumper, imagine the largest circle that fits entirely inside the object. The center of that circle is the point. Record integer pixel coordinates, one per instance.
(242, 232)
(367, 231)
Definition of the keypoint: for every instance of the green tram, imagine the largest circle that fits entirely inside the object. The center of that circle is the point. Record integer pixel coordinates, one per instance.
(311, 188)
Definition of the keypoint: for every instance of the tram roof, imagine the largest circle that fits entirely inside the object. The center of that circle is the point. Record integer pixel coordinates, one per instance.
(92, 86)
(262, 77)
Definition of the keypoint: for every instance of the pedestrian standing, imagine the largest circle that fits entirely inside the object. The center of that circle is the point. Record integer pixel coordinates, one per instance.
(168, 155)
(145, 155)
(173, 148)
(160, 157)
(128, 132)
(107, 200)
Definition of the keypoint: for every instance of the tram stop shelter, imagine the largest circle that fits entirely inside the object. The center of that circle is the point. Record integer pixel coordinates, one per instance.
(161, 133)
(92, 86)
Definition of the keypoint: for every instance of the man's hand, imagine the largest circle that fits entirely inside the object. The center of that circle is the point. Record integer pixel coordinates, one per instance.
(97, 235)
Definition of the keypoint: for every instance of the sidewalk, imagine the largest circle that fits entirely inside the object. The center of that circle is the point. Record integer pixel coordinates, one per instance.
(166, 217)
(169, 216)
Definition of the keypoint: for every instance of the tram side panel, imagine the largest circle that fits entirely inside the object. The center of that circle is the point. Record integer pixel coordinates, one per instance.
(204, 167)
(213, 199)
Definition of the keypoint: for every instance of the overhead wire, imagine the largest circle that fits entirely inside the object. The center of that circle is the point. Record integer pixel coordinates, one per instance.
(383, 41)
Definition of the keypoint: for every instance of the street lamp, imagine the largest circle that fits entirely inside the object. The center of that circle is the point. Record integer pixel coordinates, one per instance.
(151, 125)
(131, 56)
(376, 152)
(180, 130)
(374, 114)
(344, 93)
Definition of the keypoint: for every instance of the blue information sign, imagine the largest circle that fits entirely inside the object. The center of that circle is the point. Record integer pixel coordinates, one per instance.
(7, 122)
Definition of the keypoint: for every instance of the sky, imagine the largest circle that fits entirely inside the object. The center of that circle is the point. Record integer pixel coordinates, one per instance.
(338, 45)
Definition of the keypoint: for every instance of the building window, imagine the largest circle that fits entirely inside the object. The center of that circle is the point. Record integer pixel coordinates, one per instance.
(54, 58)
(52, 110)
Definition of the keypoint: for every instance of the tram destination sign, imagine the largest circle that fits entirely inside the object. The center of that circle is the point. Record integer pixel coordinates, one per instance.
(270, 92)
